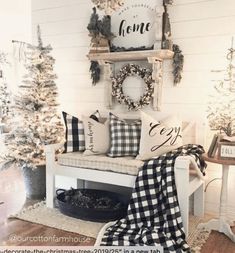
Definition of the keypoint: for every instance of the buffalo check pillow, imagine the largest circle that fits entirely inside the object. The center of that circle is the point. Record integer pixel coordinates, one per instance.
(125, 137)
(74, 133)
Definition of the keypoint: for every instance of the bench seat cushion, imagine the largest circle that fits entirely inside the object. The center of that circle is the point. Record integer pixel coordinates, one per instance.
(125, 165)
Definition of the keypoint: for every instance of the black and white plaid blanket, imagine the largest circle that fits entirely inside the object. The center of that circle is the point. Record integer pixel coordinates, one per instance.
(153, 215)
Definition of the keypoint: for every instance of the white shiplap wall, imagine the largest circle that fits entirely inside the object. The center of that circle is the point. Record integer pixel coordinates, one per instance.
(15, 24)
(202, 28)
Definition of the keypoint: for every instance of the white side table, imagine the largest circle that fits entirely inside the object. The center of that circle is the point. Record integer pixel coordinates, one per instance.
(222, 224)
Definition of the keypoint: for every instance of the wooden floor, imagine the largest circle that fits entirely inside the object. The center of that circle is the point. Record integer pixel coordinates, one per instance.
(20, 233)
(16, 232)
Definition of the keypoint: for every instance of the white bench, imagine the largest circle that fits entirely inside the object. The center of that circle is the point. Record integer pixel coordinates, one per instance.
(186, 183)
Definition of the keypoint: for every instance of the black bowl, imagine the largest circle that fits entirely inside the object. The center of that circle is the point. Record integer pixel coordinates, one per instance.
(92, 213)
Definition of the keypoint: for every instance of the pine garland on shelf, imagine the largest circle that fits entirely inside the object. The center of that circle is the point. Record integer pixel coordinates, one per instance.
(36, 121)
(178, 64)
(93, 26)
(101, 35)
(95, 72)
(99, 28)
(105, 27)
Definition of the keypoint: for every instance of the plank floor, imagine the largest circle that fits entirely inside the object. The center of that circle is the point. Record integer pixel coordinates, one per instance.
(20, 233)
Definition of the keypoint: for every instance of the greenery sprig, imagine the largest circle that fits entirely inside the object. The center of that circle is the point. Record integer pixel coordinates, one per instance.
(178, 64)
(95, 72)
(100, 27)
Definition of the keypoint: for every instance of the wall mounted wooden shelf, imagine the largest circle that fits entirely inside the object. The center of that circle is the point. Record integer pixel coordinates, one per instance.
(154, 57)
(131, 55)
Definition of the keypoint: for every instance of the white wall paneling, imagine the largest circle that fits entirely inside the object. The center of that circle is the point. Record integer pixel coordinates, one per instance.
(45, 4)
(15, 24)
(189, 2)
(203, 30)
(67, 40)
(213, 9)
(65, 13)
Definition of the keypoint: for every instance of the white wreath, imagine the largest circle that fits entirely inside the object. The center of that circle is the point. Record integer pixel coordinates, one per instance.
(117, 90)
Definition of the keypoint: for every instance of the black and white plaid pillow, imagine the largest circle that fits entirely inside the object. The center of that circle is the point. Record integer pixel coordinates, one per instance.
(125, 137)
(74, 134)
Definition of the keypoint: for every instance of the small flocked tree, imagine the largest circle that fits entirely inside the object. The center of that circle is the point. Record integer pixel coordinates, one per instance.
(36, 122)
(221, 108)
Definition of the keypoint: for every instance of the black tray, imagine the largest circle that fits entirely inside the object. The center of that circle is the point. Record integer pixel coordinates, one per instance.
(92, 214)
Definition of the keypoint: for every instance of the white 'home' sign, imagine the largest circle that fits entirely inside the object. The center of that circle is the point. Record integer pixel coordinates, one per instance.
(138, 23)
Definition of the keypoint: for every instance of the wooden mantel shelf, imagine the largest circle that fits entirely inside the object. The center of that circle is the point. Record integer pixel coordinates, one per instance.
(131, 55)
(154, 57)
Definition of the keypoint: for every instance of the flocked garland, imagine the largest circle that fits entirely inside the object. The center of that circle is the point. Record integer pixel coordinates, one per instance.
(117, 89)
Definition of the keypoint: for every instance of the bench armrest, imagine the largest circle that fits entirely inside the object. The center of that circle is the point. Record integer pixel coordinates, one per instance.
(187, 162)
(182, 162)
(50, 151)
(51, 148)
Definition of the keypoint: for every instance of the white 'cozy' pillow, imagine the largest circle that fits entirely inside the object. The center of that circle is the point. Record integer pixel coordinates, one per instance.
(158, 137)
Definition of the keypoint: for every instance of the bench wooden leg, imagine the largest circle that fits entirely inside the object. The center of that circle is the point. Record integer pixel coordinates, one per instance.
(182, 185)
(184, 209)
(198, 209)
(50, 190)
(81, 184)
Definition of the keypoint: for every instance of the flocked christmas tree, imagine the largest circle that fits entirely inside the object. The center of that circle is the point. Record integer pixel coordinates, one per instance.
(221, 109)
(5, 99)
(36, 122)
(3, 58)
(5, 96)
